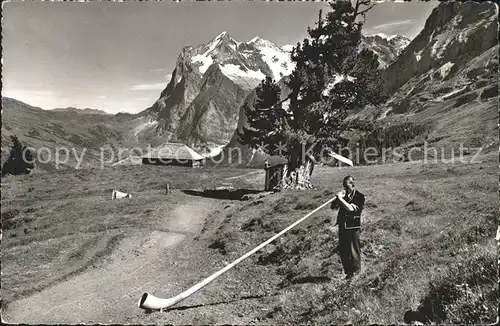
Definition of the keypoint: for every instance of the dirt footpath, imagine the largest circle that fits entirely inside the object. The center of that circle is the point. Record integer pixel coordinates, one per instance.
(108, 293)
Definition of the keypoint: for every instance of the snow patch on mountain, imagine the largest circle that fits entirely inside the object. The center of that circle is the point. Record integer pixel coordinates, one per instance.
(231, 70)
(399, 42)
(382, 35)
(384, 114)
(206, 57)
(247, 79)
(144, 126)
(338, 79)
(386, 47)
(286, 105)
(418, 55)
(275, 57)
(445, 69)
(205, 62)
(447, 95)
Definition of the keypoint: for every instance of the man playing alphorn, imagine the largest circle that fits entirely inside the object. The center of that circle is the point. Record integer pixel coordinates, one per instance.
(350, 203)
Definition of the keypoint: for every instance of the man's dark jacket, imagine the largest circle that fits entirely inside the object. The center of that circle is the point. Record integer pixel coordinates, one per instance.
(346, 219)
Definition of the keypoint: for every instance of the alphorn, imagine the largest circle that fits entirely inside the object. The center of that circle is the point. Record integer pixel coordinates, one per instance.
(149, 301)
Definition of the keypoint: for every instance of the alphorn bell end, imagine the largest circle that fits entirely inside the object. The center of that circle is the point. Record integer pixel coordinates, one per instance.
(149, 301)
(142, 300)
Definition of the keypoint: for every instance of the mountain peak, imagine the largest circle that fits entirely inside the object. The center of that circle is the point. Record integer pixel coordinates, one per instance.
(388, 37)
(398, 36)
(261, 42)
(386, 47)
(255, 39)
(223, 37)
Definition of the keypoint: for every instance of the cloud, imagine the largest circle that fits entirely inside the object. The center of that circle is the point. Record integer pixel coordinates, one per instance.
(402, 27)
(149, 87)
(389, 27)
(103, 97)
(166, 72)
(159, 70)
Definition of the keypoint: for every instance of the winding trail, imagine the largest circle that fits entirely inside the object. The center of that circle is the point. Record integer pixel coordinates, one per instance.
(107, 293)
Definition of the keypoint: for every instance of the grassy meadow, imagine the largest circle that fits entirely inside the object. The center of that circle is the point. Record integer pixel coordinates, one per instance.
(428, 248)
(57, 224)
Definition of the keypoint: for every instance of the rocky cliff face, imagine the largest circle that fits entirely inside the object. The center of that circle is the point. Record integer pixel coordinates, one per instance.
(453, 34)
(448, 76)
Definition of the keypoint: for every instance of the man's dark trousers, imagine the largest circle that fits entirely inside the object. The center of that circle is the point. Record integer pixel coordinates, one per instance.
(349, 250)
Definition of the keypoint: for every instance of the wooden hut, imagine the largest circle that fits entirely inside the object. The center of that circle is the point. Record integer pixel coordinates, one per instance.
(274, 174)
(173, 154)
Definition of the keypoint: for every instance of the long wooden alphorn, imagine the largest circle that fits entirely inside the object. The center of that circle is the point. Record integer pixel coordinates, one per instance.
(149, 301)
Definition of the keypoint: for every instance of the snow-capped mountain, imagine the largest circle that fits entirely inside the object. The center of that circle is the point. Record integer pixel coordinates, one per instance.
(200, 105)
(386, 48)
(245, 63)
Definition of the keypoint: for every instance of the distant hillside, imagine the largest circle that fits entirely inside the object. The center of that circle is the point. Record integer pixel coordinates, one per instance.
(81, 111)
(80, 132)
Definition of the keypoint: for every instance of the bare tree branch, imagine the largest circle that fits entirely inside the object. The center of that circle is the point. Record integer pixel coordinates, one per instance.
(367, 9)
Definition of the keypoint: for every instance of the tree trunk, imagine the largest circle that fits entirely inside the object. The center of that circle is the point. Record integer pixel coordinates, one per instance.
(296, 177)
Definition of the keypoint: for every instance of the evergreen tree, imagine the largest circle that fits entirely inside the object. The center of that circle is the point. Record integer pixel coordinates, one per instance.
(331, 78)
(20, 159)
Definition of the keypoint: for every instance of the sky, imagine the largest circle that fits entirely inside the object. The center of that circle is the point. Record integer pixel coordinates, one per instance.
(118, 57)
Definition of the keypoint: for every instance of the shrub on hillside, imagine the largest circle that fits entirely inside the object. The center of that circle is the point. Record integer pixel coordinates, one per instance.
(20, 159)
(489, 92)
(402, 106)
(463, 296)
(388, 136)
(467, 98)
